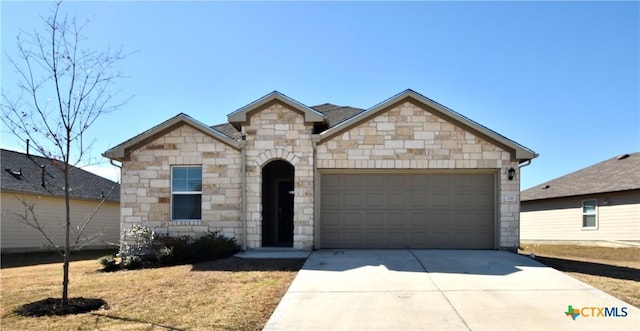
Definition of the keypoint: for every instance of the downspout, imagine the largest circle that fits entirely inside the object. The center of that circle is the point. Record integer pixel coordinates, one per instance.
(316, 193)
(113, 164)
(524, 164)
(243, 190)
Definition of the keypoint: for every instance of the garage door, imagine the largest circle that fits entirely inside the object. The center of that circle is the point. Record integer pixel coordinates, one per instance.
(437, 210)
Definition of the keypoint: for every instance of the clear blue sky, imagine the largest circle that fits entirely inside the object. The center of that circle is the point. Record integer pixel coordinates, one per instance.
(561, 78)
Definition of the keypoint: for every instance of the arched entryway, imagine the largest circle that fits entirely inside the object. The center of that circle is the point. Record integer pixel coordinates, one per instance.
(277, 204)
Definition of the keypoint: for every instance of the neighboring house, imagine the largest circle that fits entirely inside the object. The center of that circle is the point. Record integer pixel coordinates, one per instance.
(29, 179)
(597, 203)
(407, 172)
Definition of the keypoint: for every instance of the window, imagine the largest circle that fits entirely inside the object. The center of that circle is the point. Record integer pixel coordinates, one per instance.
(186, 193)
(589, 215)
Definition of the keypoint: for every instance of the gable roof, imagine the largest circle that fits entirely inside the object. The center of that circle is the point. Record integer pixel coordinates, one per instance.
(22, 173)
(120, 152)
(521, 153)
(620, 173)
(334, 119)
(240, 115)
(335, 115)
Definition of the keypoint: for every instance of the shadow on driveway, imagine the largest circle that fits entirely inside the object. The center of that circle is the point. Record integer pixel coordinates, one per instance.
(591, 268)
(481, 262)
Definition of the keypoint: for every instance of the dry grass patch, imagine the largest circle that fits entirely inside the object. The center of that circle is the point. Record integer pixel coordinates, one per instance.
(228, 294)
(615, 270)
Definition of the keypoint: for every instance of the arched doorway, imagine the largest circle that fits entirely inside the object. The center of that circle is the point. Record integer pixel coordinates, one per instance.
(277, 204)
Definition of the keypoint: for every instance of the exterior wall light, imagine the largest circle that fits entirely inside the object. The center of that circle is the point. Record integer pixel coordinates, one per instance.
(512, 173)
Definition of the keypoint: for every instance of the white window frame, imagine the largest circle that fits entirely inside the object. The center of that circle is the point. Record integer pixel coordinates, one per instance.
(185, 193)
(594, 213)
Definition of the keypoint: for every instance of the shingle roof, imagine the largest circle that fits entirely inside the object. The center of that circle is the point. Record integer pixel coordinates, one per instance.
(616, 174)
(336, 114)
(23, 173)
(333, 115)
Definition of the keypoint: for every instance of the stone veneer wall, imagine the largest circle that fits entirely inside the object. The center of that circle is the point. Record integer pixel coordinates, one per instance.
(409, 137)
(277, 132)
(146, 184)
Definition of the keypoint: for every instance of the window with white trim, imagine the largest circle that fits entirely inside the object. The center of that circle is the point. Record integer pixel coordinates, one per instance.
(589, 214)
(186, 193)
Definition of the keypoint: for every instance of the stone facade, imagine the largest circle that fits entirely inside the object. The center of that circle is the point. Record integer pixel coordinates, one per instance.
(146, 184)
(280, 133)
(410, 137)
(405, 136)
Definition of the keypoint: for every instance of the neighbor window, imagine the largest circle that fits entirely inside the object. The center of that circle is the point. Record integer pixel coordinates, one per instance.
(186, 193)
(589, 215)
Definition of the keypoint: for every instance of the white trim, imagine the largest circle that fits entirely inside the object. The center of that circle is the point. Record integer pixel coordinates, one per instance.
(583, 214)
(172, 193)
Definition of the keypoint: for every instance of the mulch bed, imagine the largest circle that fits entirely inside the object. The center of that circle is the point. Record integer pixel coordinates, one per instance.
(53, 306)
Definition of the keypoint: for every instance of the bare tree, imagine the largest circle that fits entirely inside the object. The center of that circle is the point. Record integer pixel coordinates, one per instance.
(62, 89)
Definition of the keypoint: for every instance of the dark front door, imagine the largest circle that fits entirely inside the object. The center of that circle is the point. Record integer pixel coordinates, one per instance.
(285, 213)
(277, 204)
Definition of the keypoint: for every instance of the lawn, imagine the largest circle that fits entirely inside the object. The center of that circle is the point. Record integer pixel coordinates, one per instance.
(228, 294)
(612, 270)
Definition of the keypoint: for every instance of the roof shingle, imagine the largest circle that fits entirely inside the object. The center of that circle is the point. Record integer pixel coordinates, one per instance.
(23, 173)
(616, 174)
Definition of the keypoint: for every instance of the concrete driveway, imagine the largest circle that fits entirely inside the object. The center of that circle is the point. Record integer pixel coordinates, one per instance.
(441, 290)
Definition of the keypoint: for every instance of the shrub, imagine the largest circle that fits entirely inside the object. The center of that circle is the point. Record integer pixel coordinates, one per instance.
(131, 262)
(213, 246)
(180, 247)
(165, 256)
(138, 241)
(108, 262)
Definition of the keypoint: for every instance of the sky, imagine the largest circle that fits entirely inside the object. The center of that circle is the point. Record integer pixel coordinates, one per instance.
(560, 78)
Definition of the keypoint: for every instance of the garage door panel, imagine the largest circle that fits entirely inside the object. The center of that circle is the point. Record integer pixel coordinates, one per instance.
(396, 200)
(374, 200)
(351, 200)
(352, 219)
(444, 210)
(396, 220)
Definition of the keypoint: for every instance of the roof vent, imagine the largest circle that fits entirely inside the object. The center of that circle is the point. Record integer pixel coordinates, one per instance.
(546, 187)
(16, 174)
(623, 156)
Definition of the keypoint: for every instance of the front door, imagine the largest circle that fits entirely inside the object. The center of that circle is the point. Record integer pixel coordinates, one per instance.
(285, 213)
(277, 204)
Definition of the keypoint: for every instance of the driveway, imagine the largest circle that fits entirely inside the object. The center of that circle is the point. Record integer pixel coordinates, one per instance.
(441, 290)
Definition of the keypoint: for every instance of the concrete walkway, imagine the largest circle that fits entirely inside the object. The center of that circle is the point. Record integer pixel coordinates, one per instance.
(440, 290)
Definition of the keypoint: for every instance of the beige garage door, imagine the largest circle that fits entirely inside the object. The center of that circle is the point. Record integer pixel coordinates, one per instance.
(437, 210)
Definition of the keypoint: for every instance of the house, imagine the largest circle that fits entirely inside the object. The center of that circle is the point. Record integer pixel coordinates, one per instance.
(407, 172)
(597, 203)
(34, 180)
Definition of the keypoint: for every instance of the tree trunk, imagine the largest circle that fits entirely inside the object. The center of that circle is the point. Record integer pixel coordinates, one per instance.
(67, 229)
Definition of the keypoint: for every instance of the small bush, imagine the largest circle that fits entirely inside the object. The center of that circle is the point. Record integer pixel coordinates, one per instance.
(138, 240)
(108, 262)
(131, 262)
(165, 256)
(180, 247)
(213, 246)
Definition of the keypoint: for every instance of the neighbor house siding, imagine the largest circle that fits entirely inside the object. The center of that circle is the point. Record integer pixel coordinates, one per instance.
(560, 219)
(146, 183)
(277, 132)
(102, 230)
(408, 137)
